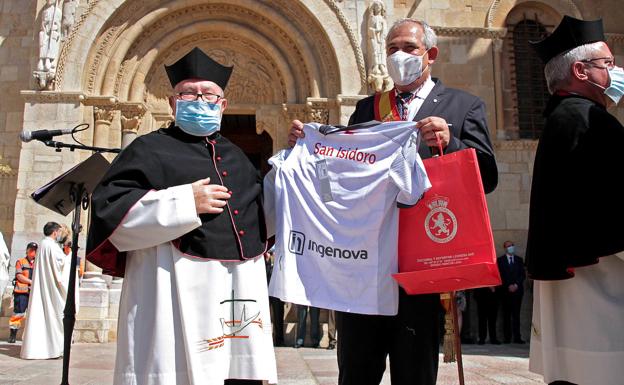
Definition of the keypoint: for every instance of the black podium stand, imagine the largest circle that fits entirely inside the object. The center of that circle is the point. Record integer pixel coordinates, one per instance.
(70, 191)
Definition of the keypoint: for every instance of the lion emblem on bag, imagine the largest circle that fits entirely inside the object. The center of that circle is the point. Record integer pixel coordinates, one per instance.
(440, 223)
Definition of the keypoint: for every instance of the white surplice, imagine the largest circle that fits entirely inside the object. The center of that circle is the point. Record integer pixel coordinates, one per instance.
(5, 260)
(43, 333)
(577, 326)
(185, 320)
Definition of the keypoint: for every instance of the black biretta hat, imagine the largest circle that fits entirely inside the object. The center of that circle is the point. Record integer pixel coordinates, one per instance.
(570, 33)
(196, 64)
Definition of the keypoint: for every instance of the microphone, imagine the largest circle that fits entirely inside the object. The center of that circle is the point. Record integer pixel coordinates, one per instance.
(43, 135)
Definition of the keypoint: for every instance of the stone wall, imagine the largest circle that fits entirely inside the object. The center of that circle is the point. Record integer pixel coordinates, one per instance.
(17, 24)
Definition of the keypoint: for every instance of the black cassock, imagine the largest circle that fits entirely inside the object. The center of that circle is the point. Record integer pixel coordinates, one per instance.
(167, 158)
(577, 205)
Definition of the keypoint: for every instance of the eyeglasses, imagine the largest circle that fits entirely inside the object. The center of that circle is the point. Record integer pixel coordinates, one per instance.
(609, 61)
(206, 96)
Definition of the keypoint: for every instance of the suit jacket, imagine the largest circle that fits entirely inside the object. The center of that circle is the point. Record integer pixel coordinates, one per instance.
(511, 274)
(469, 129)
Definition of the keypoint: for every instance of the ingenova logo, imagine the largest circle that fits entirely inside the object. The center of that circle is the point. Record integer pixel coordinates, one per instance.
(296, 242)
(297, 245)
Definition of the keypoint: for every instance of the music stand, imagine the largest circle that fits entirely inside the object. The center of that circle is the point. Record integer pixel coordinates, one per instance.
(67, 192)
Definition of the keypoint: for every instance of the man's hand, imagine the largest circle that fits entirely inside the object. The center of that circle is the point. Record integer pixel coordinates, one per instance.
(432, 128)
(209, 198)
(512, 288)
(296, 132)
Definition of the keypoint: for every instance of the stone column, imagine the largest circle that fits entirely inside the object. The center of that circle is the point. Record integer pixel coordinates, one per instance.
(131, 117)
(497, 52)
(94, 321)
(102, 120)
(345, 105)
(288, 114)
(271, 119)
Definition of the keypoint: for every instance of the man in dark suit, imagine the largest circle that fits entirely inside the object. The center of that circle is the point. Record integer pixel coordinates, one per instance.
(455, 120)
(487, 312)
(511, 268)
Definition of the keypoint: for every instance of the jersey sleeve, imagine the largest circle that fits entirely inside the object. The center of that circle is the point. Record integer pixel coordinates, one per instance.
(408, 172)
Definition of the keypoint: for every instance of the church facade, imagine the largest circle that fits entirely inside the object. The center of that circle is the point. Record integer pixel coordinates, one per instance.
(100, 62)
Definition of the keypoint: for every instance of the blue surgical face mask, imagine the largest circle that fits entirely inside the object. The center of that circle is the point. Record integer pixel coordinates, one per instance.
(510, 250)
(198, 118)
(615, 91)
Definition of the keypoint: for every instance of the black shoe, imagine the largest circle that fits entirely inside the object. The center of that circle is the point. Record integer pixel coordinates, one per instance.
(298, 343)
(331, 346)
(495, 342)
(481, 342)
(519, 341)
(12, 336)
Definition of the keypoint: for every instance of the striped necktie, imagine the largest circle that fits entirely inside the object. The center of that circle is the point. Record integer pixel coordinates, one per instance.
(403, 101)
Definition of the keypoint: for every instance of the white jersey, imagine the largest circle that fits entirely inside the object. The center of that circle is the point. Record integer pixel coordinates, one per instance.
(337, 218)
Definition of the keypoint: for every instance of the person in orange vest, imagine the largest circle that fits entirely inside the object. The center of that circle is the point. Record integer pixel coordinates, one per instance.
(23, 280)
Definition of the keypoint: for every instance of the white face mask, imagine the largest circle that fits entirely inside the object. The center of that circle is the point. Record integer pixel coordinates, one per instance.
(405, 68)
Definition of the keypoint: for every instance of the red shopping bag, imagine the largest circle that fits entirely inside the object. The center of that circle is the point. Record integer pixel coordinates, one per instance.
(445, 241)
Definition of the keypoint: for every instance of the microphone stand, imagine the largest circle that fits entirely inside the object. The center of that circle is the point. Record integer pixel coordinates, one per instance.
(60, 145)
(79, 197)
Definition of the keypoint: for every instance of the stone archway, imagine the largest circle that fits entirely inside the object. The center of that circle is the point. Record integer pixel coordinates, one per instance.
(292, 59)
(499, 9)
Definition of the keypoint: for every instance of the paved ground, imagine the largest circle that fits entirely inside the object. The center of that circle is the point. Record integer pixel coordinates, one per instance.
(92, 364)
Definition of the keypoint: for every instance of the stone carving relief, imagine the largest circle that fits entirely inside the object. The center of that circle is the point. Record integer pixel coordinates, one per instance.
(69, 17)
(317, 111)
(256, 80)
(49, 43)
(251, 83)
(69, 38)
(127, 13)
(103, 114)
(377, 27)
(131, 116)
(5, 169)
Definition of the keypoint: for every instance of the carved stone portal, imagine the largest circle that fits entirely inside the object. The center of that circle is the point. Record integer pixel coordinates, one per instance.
(256, 80)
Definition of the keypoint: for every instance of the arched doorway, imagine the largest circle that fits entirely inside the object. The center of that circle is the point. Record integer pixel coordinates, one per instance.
(241, 130)
(289, 57)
